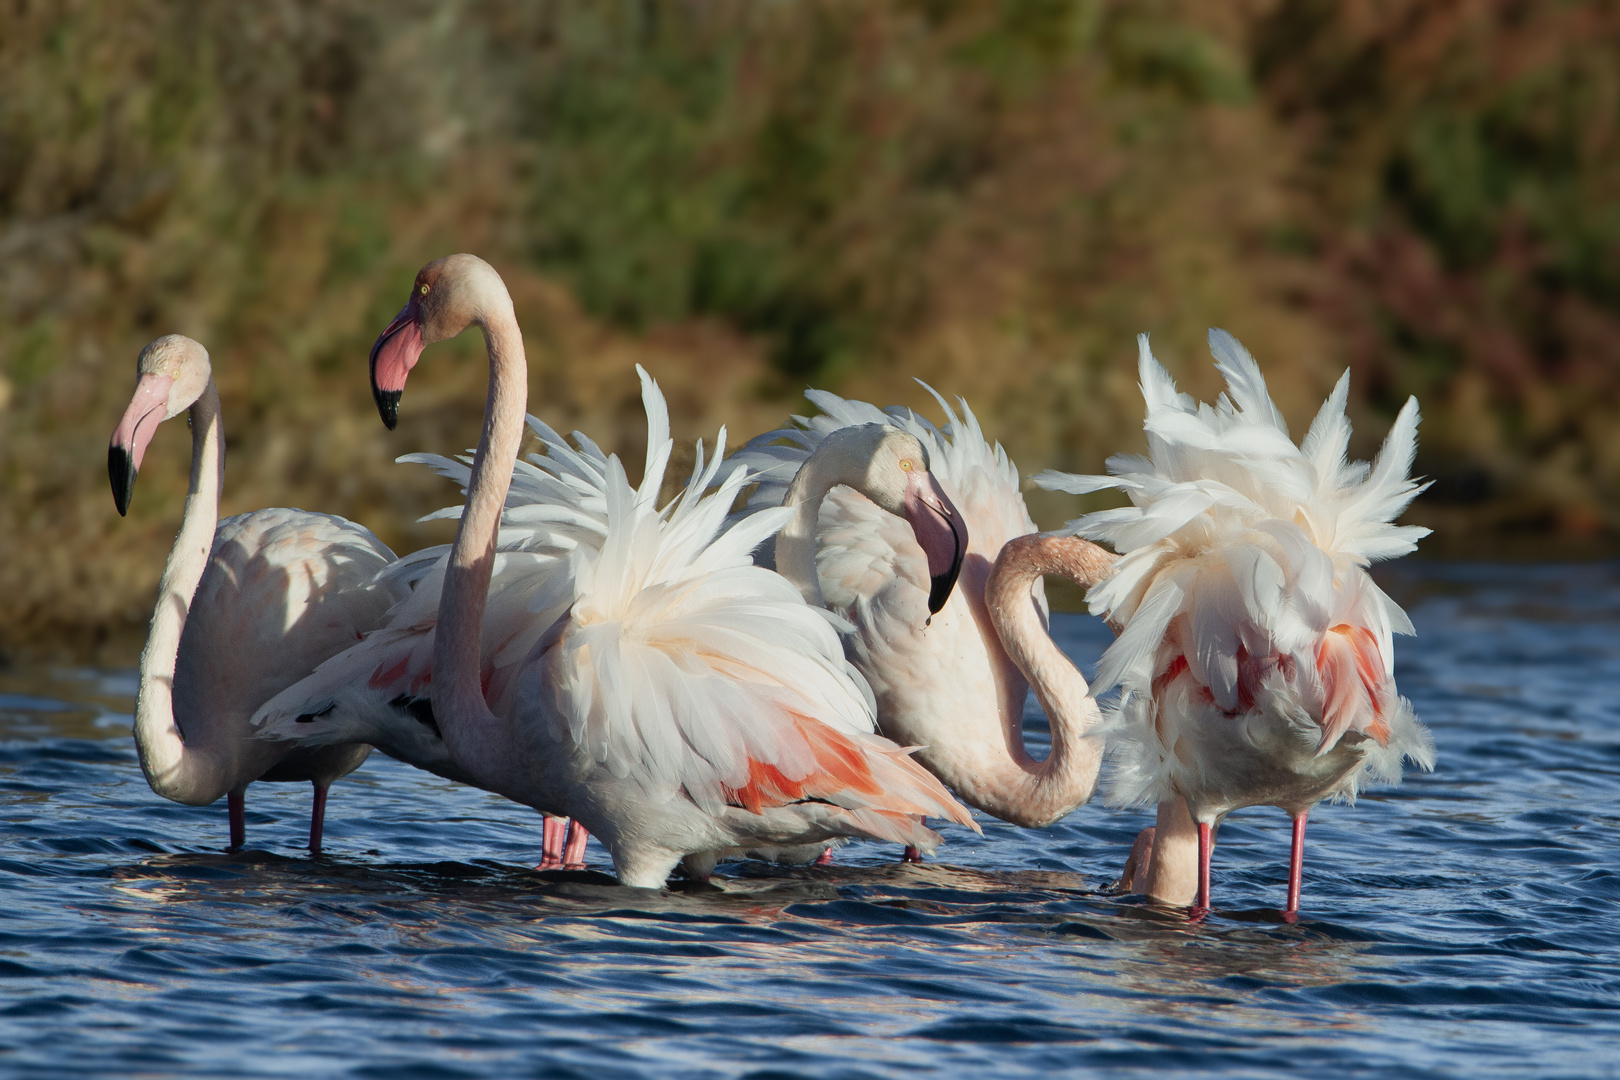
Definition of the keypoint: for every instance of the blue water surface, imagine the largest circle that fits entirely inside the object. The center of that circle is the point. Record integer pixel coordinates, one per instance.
(1466, 923)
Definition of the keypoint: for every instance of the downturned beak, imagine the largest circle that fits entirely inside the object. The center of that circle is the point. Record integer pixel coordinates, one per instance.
(393, 355)
(121, 471)
(147, 409)
(941, 533)
(387, 406)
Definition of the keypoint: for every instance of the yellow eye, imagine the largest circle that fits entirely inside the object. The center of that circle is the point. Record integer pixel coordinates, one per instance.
(906, 464)
(424, 290)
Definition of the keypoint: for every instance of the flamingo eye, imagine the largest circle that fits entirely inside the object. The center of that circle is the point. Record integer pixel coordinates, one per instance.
(906, 465)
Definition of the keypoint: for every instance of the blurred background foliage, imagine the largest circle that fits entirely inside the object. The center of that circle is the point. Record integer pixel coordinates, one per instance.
(749, 197)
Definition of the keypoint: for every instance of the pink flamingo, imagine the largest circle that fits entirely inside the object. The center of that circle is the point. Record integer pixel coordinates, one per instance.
(950, 675)
(246, 607)
(662, 690)
(1254, 655)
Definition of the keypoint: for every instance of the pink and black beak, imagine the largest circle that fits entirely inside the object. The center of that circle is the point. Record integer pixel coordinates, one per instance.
(147, 409)
(396, 351)
(940, 531)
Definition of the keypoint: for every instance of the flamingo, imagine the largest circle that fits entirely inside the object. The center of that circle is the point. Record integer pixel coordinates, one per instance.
(675, 699)
(247, 606)
(950, 676)
(1255, 653)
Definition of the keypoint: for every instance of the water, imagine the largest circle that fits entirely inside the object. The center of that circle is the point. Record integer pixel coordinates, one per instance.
(1466, 923)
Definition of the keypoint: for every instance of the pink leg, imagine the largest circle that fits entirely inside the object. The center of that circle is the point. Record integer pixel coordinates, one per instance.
(1206, 843)
(824, 859)
(911, 855)
(317, 820)
(552, 840)
(574, 852)
(1296, 866)
(237, 806)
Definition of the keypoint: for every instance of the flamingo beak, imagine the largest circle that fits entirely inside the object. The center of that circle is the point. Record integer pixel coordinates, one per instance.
(940, 531)
(393, 355)
(147, 409)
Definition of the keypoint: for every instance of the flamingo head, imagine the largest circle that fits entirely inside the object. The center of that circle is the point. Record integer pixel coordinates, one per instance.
(898, 479)
(170, 375)
(448, 295)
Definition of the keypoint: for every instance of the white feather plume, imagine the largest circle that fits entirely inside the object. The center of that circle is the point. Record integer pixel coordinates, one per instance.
(859, 544)
(1244, 566)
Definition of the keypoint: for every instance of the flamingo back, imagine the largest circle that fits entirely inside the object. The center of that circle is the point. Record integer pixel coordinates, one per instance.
(1248, 624)
(282, 591)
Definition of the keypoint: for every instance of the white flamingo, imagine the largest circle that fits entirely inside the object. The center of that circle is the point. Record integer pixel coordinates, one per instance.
(246, 607)
(662, 690)
(952, 676)
(1255, 654)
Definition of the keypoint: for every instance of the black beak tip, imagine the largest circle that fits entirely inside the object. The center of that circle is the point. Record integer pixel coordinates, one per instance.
(941, 585)
(388, 406)
(121, 471)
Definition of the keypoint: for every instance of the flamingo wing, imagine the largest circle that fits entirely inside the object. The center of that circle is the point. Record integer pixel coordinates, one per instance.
(380, 690)
(283, 589)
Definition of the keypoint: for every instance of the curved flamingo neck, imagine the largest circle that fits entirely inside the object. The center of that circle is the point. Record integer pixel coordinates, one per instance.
(174, 769)
(796, 543)
(1044, 791)
(472, 733)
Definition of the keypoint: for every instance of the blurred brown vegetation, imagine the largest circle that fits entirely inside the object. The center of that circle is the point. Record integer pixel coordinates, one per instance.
(749, 197)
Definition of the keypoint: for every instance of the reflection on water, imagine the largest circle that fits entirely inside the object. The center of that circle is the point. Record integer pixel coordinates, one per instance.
(1462, 924)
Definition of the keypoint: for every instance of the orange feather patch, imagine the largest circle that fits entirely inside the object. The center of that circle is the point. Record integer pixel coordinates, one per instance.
(1348, 661)
(839, 766)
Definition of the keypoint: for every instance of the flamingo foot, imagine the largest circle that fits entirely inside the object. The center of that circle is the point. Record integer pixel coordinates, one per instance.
(912, 855)
(824, 859)
(1296, 869)
(573, 857)
(553, 836)
(1206, 844)
(317, 820)
(236, 804)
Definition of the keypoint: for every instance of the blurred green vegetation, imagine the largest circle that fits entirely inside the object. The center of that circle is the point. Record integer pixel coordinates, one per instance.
(993, 195)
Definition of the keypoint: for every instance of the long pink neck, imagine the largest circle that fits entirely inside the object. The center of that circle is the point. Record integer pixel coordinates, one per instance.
(177, 770)
(476, 738)
(1045, 791)
(1173, 867)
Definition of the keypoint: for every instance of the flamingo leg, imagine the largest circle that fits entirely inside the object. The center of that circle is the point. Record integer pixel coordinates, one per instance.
(553, 838)
(912, 855)
(317, 819)
(1206, 844)
(1296, 866)
(824, 859)
(573, 857)
(236, 804)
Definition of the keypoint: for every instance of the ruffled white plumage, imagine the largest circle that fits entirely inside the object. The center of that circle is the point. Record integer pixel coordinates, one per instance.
(642, 643)
(860, 547)
(1242, 593)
